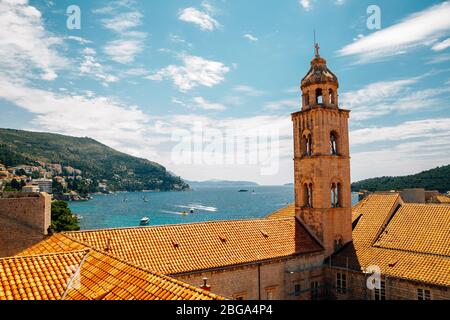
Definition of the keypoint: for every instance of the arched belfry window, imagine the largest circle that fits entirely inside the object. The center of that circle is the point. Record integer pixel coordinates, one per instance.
(308, 195)
(335, 195)
(307, 145)
(333, 144)
(319, 96)
(330, 96)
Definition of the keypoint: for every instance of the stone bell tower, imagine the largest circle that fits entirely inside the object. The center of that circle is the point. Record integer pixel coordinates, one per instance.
(322, 158)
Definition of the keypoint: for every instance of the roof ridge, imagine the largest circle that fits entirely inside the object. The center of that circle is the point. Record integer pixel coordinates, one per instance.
(375, 245)
(396, 206)
(428, 204)
(86, 251)
(176, 225)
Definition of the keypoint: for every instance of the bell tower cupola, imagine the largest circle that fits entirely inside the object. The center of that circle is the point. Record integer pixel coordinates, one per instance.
(319, 87)
(322, 158)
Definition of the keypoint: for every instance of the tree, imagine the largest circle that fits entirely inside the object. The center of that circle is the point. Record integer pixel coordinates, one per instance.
(35, 175)
(21, 172)
(16, 185)
(62, 218)
(57, 187)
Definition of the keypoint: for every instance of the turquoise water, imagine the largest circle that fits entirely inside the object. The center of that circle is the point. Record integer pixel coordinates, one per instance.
(110, 211)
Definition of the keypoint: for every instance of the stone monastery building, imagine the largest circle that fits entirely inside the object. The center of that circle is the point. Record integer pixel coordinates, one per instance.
(317, 248)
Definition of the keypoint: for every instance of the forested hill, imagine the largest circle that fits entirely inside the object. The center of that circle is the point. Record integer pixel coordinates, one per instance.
(434, 179)
(97, 161)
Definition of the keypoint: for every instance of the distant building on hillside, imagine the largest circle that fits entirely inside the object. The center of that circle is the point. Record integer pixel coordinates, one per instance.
(31, 188)
(45, 185)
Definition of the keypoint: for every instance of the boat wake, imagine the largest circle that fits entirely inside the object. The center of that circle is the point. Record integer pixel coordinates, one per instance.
(199, 207)
(172, 212)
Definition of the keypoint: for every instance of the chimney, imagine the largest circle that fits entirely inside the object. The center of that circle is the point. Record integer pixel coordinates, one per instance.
(205, 285)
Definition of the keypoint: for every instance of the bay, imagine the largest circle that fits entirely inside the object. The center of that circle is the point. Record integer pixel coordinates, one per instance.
(226, 203)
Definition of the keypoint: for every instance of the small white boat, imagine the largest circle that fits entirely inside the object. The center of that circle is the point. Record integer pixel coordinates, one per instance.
(192, 211)
(145, 221)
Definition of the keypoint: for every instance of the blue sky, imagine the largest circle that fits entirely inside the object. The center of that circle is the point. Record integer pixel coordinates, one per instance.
(145, 77)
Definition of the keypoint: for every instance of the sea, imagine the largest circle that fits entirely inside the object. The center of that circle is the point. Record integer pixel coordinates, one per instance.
(120, 210)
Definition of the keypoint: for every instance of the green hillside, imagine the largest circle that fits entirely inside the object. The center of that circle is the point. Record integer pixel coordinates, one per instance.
(434, 179)
(97, 161)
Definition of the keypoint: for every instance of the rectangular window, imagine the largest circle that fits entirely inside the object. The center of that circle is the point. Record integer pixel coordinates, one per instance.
(314, 290)
(423, 294)
(380, 294)
(341, 283)
(297, 290)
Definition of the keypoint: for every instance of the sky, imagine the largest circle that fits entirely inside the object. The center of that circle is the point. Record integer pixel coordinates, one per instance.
(206, 88)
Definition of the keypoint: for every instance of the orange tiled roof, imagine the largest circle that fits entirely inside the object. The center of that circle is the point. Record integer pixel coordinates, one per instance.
(286, 212)
(176, 249)
(422, 228)
(409, 241)
(101, 277)
(443, 199)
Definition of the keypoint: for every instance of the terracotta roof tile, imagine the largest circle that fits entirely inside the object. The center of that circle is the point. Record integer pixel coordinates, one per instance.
(286, 212)
(422, 228)
(443, 199)
(184, 248)
(101, 277)
(409, 241)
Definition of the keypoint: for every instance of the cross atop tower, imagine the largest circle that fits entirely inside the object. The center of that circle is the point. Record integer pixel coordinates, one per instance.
(316, 45)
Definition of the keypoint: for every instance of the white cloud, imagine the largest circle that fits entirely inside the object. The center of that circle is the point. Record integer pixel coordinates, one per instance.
(427, 128)
(25, 45)
(248, 90)
(306, 4)
(90, 66)
(419, 29)
(439, 59)
(80, 40)
(195, 71)
(177, 39)
(385, 97)
(124, 50)
(404, 159)
(200, 18)
(101, 118)
(285, 103)
(201, 103)
(441, 45)
(130, 130)
(250, 37)
(122, 22)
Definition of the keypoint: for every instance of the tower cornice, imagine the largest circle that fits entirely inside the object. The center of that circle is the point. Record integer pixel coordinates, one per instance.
(318, 108)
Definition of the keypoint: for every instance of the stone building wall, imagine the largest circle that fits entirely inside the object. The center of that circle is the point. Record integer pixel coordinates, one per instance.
(24, 221)
(395, 288)
(276, 279)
